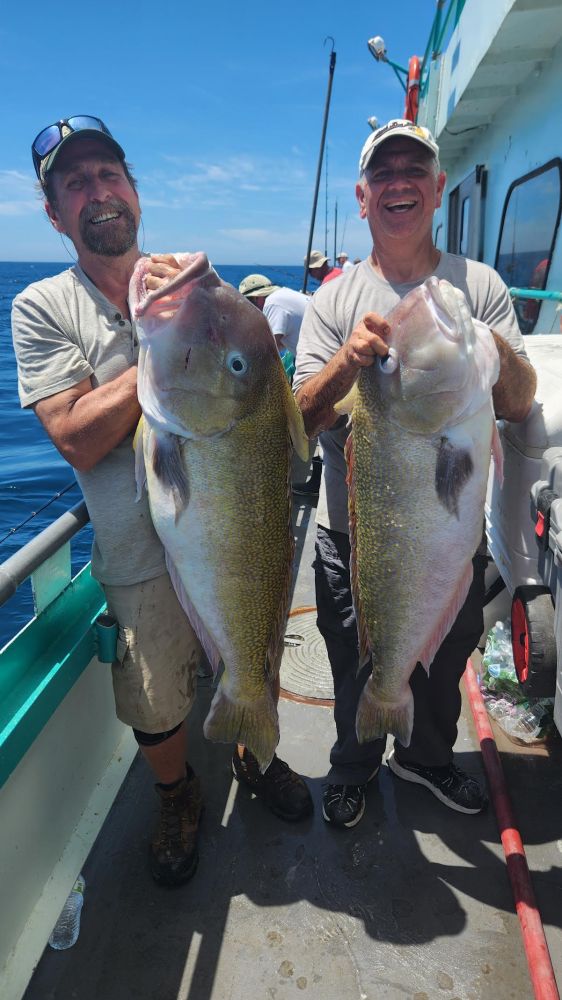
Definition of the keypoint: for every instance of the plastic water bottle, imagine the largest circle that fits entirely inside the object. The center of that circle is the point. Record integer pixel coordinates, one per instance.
(66, 930)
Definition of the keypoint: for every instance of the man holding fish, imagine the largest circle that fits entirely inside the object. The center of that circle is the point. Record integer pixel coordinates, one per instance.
(399, 561)
(77, 351)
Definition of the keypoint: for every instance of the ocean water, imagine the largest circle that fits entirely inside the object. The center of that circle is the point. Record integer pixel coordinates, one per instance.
(32, 471)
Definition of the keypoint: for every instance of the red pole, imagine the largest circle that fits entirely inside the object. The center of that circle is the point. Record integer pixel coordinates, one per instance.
(534, 941)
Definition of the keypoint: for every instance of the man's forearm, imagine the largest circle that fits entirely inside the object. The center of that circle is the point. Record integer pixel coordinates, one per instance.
(85, 424)
(514, 391)
(318, 395)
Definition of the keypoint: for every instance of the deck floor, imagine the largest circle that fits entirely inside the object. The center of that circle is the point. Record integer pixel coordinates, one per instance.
(413, 903)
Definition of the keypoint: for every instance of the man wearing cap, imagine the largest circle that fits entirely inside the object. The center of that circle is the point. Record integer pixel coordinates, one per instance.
(319, 268)
(343, 261)
(399, 188)
(77, 351)
(282, 307)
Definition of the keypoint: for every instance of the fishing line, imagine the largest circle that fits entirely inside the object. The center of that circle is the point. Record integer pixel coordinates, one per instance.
(34, 513)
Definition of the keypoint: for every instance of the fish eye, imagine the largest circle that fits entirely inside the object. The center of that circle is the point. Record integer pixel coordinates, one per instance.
(236, 363)
(389, 363)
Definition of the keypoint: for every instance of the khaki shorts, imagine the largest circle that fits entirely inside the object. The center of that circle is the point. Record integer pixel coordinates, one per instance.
(154, 675)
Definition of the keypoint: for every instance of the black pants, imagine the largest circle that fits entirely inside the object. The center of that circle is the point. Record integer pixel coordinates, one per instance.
(437, 698)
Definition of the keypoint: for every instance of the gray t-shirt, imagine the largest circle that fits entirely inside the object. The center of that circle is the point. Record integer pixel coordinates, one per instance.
(64, 331)
(333, 313)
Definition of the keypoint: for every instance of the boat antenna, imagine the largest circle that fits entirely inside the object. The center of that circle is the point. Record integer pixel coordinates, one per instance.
(326, 209)
(320, 158)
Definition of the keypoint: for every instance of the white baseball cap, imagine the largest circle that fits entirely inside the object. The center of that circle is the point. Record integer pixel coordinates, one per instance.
(393, 128)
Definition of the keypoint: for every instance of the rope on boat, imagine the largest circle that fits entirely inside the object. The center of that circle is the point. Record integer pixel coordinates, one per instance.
(34, 513)
(532, 931)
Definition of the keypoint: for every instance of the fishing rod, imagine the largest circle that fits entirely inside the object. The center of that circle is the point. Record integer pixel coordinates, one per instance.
(335, 232)
(34, 513)
(320, 158)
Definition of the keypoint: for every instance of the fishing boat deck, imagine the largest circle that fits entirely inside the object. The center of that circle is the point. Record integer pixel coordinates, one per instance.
(415, 902)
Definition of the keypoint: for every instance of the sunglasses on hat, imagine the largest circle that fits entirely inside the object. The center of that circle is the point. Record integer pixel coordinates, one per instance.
(49, 138)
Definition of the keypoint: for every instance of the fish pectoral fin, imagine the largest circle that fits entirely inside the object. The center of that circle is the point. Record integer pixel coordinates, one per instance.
(169, 468)
(347, 402)
(140, 467)
(453, 469)
(376, 718)
(254, 723)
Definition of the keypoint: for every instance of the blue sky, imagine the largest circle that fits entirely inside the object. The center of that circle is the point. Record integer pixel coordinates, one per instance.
(219, 108)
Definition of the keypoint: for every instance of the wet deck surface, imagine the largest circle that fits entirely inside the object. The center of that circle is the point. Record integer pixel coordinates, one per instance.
(413, 903)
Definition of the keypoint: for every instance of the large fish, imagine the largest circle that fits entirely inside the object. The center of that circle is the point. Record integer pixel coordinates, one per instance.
(218, 418)
(418, 460)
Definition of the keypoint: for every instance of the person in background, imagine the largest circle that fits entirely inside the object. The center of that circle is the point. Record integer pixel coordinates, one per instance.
(400, 186)
(343, 261)
(77, 351)
(319, 268)
(282, 307)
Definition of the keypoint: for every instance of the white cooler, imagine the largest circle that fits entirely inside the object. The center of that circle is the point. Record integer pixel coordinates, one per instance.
(510, 529)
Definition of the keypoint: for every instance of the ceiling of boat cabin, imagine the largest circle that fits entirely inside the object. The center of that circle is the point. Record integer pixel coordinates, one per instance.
(525, 41)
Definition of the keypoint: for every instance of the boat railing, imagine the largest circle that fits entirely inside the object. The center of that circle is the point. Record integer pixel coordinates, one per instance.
(34, 554)
(535, 293)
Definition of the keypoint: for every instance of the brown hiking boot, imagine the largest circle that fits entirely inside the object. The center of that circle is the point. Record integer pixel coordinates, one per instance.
(281, 789)
(173, 851)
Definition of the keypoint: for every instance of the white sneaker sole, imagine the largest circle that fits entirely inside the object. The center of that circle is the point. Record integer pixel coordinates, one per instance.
(417, 779)
(355, 821)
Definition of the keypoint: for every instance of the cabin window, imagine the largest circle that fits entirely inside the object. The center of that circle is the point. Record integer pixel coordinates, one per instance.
(465, 216)
(529, 225)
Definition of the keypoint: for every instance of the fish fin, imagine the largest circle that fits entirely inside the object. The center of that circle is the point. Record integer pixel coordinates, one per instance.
(169, 468)
(444, 626)
(376, 718)
(295, 422)
(362, 633)
(347, 402)
(497, 453)
(254, 724)
(140, 466)
(453, 470)
(211, 651)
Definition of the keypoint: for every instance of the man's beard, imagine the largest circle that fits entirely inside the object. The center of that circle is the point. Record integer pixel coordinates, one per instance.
(109, 239)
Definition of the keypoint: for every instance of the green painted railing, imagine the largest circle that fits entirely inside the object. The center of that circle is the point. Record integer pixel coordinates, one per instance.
(441, 29)
(535, 293)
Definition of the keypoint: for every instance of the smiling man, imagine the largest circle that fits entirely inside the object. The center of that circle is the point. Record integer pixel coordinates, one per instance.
(400, 186)
(77, 365)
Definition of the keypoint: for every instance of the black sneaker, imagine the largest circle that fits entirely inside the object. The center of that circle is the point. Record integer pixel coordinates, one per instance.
(453, 787)
(344, 805)
(173, 852)
(282, 790)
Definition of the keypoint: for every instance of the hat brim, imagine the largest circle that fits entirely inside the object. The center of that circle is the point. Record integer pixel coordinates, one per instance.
(262, 293)
(87, 133)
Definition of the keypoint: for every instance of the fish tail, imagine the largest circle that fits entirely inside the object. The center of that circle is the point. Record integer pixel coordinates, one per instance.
(376, 718)
(254, 724)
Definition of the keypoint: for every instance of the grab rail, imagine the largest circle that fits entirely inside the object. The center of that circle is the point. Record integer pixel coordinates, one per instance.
(22, 564)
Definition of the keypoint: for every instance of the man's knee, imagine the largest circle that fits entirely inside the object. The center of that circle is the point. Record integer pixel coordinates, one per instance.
(153, 739)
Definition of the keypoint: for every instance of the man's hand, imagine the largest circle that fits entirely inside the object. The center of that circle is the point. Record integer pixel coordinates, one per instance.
(317, 396)
(163, 267)
(367, 341)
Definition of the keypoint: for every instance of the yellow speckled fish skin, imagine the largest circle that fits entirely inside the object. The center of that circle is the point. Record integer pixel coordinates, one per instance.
(220, 495)
(418, 461)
